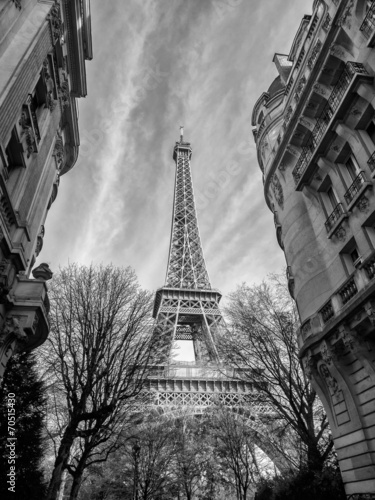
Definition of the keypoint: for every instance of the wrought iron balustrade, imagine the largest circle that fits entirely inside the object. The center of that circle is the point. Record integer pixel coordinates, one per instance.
(367, 27)
(355, 187)
(348, 290)
(327, 312)
(371, 162)
(334, 100)
(334, 217)
(301, 164)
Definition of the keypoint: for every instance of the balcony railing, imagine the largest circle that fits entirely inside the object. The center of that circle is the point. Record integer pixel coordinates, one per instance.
(367, 27)
(327, 312)
(348, 290)
(334, 217)
(371, 162)
(344, 81)
(355, 187)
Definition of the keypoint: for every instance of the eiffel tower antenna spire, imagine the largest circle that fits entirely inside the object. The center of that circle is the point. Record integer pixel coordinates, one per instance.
(181, 134)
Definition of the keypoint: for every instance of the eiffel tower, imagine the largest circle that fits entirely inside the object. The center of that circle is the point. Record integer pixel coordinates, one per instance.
(186, 308)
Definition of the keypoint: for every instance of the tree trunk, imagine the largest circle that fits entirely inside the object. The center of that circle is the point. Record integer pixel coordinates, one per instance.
(77, 480)
(314, 459)
(60, 462)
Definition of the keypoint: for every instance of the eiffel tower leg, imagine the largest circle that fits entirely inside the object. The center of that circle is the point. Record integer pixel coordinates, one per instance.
(211, 347)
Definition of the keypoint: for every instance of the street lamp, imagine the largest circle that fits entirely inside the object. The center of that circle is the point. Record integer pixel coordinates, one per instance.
(136, 451)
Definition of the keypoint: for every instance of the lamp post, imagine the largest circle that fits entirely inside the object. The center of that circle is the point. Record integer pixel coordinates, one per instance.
(136, 451)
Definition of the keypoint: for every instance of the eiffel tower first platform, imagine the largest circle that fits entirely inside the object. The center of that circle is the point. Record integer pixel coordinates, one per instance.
(187, 308)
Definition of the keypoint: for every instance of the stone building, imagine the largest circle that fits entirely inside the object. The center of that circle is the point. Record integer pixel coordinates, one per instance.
(43, 48)
(315, 134)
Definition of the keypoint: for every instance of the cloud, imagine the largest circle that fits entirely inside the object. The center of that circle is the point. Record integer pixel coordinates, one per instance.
(157, 65)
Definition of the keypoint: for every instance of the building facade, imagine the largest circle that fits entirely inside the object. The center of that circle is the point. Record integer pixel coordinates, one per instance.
(43, 48)
(315, 134)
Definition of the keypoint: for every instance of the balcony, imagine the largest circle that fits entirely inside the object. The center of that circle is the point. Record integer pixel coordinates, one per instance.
(371, 162)
(348, 291)
(337, 102)
(367, 27)
(334, 221)
(27, 317)
(356, 189)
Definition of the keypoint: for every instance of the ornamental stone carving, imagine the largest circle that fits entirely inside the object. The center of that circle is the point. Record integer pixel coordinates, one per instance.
(63, 91)
(12, 326)
(288, 114)
(348, 338)
(39, 241)
(56, 24)
(337, 51)
(308, 364)
(319, 89)
(345, 18)
(58, 151)
(340, 233)
(306, 329)
(363, 204)
(326, 352)
(7, 277)
(327, 22)
(277, 190)
(299, 88)
(327, 376)
(314, 54)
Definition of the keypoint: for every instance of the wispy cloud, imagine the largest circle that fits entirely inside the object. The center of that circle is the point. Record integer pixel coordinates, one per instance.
(157, 65)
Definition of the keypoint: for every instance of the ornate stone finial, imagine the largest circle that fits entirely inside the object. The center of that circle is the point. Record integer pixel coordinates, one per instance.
(42, 272)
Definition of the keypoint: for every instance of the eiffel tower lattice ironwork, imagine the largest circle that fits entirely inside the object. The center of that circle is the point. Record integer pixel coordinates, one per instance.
(187, 308)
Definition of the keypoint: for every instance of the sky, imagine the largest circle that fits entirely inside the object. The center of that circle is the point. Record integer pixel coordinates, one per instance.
(159, 64)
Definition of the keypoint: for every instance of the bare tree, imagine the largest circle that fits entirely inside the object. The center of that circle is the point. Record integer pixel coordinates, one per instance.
(194, 454)
(236, 451)
(151, 457)
(261, 343)
(98, 355)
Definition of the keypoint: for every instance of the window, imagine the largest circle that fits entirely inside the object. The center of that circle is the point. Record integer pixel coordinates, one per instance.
(354, 255)
(371, 131)
(331, 204)
(352, 167)
(332, 197)
(13, 152)
(350, 256)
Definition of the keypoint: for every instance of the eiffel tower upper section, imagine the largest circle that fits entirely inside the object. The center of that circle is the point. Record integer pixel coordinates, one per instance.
(186, 308)
(186, 265)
